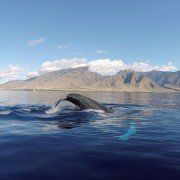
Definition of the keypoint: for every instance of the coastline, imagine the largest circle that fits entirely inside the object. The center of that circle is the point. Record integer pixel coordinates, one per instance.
(95, 90)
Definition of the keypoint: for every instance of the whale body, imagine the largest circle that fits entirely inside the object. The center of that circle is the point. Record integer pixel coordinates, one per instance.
(84, 102)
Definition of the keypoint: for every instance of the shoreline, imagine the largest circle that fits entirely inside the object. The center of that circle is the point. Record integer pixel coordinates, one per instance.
(92, 90)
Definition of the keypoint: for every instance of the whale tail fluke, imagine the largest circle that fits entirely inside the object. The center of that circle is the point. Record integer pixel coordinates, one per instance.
(82, 102)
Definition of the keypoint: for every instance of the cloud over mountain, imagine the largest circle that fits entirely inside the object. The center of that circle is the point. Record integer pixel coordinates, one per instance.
(102, 66)
(49, 66)
(11, 73)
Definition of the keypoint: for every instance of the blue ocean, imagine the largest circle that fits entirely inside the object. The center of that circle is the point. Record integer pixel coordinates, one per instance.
(140, 140)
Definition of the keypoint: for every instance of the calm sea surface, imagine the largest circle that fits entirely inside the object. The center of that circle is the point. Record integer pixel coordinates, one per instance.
(140, 140)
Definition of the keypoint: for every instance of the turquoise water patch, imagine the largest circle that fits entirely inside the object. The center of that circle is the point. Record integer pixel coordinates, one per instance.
(129, 133)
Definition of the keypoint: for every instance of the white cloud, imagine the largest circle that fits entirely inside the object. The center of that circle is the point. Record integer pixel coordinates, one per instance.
(143, 67)
(1, 74)
(58, 64)
(102, 66)
(14, 70)
(32, 74)
(169, 67)
(36, 41)
(65, 46)
(106, 66)
(100, 52)
(11, 73)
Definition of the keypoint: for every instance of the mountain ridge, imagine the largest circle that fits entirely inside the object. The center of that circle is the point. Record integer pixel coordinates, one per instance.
(82, 79)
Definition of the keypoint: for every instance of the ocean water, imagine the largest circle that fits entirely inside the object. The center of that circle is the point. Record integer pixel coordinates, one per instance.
(140, 140)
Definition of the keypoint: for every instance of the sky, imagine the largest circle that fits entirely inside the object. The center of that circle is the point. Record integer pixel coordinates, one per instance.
(40, 36)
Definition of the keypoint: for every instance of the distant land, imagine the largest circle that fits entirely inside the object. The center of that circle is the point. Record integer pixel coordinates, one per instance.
(85, 80)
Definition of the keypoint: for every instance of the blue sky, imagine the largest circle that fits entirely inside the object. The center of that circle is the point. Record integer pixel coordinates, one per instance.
(134, 31)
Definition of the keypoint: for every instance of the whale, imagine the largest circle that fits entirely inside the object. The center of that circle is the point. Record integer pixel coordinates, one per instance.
(84, 102)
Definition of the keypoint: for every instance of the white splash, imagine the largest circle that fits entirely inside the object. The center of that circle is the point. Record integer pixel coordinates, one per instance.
(94, 110)
(5, 112)
(53, 110)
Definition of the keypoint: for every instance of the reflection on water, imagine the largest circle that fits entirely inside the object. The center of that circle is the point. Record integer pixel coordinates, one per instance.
(129, 133)
(37, 118)
(140, 140)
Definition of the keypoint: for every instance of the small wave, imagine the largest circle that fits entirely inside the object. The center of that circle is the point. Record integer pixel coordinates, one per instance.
(5, 112)
(94, 110)
(53, 110)
(27, 109)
